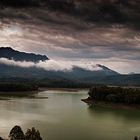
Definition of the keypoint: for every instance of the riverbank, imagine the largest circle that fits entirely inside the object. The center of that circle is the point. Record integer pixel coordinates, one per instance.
(12, 87)
(62, 89)
(114, 96)
(110, 105)
(65, 109)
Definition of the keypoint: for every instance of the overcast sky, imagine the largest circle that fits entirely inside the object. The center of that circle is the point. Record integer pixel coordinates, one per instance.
(62, 37)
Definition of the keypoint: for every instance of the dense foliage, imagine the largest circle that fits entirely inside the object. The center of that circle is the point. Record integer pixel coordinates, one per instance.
(17, 134)
(17, 87)
(32, 134)
(47, 82)
(132, 80)
(115, 94)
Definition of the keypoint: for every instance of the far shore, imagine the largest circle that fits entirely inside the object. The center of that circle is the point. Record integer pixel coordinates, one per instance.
(110, 105)
(40, 89)
(63, 89)
(18, 92)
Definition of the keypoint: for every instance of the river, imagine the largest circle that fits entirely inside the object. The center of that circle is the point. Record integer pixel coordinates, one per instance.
(63, 116)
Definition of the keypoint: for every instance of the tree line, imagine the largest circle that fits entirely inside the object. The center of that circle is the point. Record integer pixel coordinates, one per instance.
(11, 87)
(115, 94)
(16, 133)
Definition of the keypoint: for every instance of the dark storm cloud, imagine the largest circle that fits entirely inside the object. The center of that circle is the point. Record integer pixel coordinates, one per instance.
(101, 11)
(63, 36)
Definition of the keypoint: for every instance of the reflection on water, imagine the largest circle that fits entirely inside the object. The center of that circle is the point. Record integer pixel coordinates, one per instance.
(64, 117)
(122, 123)
(130, 115)
(9, 95)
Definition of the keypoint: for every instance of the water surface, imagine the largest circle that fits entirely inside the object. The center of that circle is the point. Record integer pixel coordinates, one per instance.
(64, 117)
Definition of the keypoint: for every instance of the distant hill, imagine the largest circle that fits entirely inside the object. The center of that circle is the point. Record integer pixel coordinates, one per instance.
(132, 79)
(76, 77)
(33, 72)
(11, 54)
(79, 73)
(75, 73)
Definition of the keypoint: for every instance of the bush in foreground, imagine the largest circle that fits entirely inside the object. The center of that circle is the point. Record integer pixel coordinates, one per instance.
(17, 134)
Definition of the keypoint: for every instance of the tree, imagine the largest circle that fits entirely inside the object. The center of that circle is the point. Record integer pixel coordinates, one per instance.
(32, 134)
(16, 133)
(135, 138)
(1, 138)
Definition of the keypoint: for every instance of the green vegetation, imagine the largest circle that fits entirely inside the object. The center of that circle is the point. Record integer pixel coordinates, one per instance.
(17, 134)
(64, 83)
(47, 82)
(9, 87)
(115, 94)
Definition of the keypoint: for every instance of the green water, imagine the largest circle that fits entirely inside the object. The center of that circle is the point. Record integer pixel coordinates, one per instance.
(64, 117)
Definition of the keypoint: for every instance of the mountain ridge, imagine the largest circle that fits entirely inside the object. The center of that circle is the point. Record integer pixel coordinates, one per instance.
(76, 72)
(77, 75)
(11, 54)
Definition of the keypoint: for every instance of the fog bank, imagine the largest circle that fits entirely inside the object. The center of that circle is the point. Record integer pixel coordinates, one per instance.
(52, 65)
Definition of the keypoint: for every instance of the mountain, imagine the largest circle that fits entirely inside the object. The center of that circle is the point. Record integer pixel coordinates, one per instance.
(75, 77)
(108, 72)
(80, 73)
(131, 80)
(9, 53)
(76, 73)
(38, 72)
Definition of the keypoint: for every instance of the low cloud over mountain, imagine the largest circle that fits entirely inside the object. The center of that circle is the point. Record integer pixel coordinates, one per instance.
(11, 57)
(52, 65)
(47, 71)
(47, 68)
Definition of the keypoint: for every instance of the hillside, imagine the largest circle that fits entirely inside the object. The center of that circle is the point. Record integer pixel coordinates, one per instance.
(9, 53)
(128, 79)
(15, 71)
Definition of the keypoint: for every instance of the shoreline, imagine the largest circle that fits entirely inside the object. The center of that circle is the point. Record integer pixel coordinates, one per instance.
(62, 89)
(18, 92)
(110, 104)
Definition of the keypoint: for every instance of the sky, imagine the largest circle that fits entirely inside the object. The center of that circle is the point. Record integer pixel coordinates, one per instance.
(66, 38)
